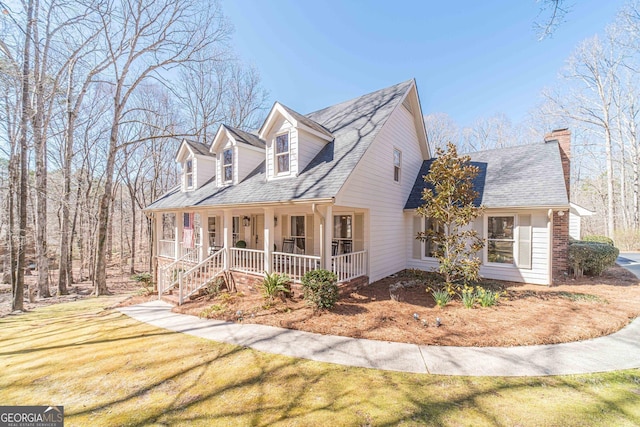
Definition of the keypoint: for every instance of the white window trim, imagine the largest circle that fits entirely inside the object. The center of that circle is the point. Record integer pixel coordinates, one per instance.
(516, 235)
(226, 181)
(276, 154)
(303, 237)
(187, 174)
(393, 160)
(423, 249)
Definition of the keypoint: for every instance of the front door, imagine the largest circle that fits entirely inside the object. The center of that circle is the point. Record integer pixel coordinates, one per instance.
(257, 231)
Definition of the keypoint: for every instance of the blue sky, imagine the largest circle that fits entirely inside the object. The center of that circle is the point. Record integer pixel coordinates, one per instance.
(470, 58)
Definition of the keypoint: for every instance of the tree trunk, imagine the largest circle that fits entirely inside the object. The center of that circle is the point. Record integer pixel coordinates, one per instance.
(18, 286)
(64, 277)
(100, 279)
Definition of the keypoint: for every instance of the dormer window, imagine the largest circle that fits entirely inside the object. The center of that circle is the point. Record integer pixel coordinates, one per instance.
(227, 165)
(188, 173)
(282, 153)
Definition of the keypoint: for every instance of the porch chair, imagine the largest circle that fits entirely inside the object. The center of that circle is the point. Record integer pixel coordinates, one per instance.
(334, 247)
(288, 245)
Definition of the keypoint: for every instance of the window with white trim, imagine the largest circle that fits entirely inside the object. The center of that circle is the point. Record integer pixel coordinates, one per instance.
(282, 154)
(227, 165)
(188, 173)
(342, 234)
(298, 233)
(235, 230)
(431, 247)
(397, 164)
(501, 239)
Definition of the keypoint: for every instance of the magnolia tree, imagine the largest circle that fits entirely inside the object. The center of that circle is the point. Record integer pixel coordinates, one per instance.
(449, 205)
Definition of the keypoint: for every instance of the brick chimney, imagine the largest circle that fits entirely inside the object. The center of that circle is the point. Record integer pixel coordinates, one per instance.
(560, 229)
(563, 138)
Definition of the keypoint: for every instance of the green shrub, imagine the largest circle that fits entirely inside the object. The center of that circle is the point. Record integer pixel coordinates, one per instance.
(241, 244)
(144, 278)
(320, 288)
(275, 284)
(597, 239)
(591, 258)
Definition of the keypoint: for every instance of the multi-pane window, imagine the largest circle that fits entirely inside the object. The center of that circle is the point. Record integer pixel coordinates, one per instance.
(211, 227)
(432, 228)
(188, 173)
(500, 239)
(227, 165)
(297, 233)
(342, 234)
(282, 153)
(235, 230)
(397, 164)
(342, 228)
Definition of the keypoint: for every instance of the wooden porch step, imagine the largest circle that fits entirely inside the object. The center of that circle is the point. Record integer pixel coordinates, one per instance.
(170, 298)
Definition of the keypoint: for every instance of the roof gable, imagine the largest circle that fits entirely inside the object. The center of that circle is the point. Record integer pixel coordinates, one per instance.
(237, 136)
(192, 148)
(296, 119)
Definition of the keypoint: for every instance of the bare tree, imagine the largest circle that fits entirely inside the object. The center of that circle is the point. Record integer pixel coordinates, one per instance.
(593, 68)
(551, 15)
(441, 129)
(143, 39)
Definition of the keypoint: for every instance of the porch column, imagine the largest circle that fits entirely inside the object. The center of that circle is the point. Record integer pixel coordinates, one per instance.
(204, 235)
(157, 223)
(178, 233)
(227, 237)
(268, 239)
(327, 237)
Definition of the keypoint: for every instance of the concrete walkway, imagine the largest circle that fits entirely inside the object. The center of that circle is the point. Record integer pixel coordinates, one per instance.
(611, 353)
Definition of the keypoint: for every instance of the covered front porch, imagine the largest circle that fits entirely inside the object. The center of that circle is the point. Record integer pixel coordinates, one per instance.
(291, 239)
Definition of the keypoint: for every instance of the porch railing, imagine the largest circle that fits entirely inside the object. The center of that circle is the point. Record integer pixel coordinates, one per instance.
(200, 275)
(246, 260)
(169, 274)
(293, 265)
(349, 266)
(167, 249)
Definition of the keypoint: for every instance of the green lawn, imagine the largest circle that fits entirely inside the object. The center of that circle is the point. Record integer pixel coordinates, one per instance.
(107, 369)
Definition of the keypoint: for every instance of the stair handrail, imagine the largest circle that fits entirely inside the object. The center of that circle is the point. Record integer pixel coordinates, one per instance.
(182, 276)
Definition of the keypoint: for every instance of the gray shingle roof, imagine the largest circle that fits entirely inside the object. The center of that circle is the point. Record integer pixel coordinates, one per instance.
(246, 137)
(354, 125)
(199, 148)
(522, 176)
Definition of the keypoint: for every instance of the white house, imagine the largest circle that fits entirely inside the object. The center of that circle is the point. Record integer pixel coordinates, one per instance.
(337, 189)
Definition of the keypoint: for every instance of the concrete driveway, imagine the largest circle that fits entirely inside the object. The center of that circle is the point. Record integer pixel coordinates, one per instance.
(630, 261)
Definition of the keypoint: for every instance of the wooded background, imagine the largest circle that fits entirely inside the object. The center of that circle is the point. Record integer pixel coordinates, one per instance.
(96, 96)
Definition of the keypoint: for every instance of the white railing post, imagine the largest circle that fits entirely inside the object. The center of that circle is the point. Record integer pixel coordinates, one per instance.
(180, 288)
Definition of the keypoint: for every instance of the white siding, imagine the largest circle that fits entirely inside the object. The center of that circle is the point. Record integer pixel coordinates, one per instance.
(574, 226)
(537, 274)
(371, 186)
(307, 147)
(281, 126)
(204, 169)
(247, 160)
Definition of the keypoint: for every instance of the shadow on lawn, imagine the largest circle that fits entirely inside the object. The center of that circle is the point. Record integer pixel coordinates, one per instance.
(171, 379)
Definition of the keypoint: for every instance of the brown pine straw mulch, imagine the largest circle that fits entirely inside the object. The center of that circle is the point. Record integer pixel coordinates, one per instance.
(525, 315)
